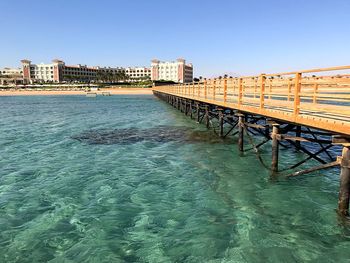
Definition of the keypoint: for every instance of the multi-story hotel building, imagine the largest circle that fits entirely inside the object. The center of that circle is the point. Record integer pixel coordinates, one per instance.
(11, 72)
(58, 71)
(176, 71)
(11, 76)
(138, 73)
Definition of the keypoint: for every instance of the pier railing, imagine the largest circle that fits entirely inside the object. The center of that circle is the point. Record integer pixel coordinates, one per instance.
(317, 98)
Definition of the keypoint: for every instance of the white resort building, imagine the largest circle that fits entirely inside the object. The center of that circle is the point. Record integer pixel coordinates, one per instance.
(176, 71)
(11, 72)
(11, 76)
(57, 72)
(138, 73)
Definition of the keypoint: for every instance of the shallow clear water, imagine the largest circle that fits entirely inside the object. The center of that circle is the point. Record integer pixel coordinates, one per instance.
(87, 180)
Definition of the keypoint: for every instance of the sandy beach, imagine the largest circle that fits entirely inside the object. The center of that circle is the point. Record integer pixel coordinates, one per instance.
(112, 91)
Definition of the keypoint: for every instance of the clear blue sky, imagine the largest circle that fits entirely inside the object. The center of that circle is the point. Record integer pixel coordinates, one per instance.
(227, 36)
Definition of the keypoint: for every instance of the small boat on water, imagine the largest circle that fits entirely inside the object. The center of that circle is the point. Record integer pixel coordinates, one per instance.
(91, 94)
(106, 93)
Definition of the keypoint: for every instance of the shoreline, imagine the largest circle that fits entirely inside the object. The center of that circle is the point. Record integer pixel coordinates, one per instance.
(112, 91)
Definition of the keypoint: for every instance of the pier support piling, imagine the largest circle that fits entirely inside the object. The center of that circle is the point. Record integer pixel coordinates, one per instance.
(191, 110)
(207, 120)
(344, 191)
(298, 134)
(221, 123)
(198, 112)
(240, 132)
(275, 147)
(267, 132)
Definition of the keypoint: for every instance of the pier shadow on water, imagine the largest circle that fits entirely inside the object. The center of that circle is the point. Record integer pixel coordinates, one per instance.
(160, 134)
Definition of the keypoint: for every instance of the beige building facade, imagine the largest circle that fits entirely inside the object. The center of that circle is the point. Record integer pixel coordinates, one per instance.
(138, 73)
(177, 71)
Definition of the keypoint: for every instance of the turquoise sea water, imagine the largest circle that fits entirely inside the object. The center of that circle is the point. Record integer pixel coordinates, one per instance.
(130, 179)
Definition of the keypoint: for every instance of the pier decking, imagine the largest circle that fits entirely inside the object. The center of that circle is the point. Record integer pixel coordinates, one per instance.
(321, 102)
(313, 105)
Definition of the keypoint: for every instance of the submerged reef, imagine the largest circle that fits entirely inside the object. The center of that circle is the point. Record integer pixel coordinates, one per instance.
(155, 134)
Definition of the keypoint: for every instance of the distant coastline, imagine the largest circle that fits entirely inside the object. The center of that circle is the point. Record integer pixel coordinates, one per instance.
(53, 92)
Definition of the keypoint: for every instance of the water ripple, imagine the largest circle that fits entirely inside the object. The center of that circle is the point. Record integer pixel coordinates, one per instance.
(159, 188)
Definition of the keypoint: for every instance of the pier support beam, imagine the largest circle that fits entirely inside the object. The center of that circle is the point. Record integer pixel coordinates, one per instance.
(207, 123)
(221, 123)
(275, 147)
(344, 191)
(240, 132)
(191, 110)
(187, 108)
(198, 112)
(267, 131)
(298, 134)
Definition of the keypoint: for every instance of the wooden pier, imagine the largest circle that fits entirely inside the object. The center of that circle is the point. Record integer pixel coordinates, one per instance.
(306, 110)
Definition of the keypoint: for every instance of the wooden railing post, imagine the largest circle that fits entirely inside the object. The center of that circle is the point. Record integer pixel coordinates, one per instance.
(225, 90)
(199, 89)
(314, 98)
(255, 87)
(289, 88)
(214, 89)
(192, 89)
(240, 91)
(262, 91)
(297, 90)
